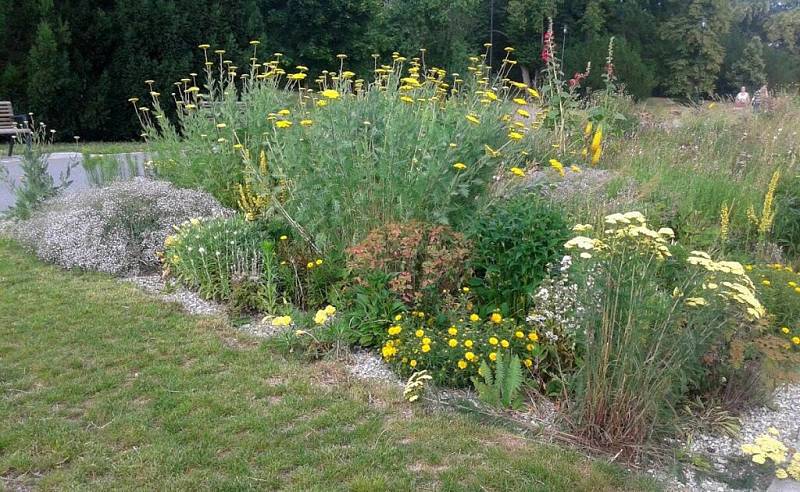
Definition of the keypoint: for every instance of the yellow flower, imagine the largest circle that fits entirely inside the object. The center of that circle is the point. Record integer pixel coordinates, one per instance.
(306, 122)
(468, 343)
(284, 112)
(596, 156)
(465, 289)
(473, 119)
(533, 336)
(797, 289)
(419, 333)
(453, 343)
(515, 136)
(796, 340)
(310, 265)
(459, 166)
(462, 364)
(504, 343)
(520, 101)
(322, 103)
(523, 113)
(529, 347)
(588, 129)
(528, 362)
(474, 317)
(766, 282)
(555, 164)
(575, 169)
(388, 351)
(597, 139)
(318, 262)
(283, 124)
(426, 341)
(283, 238)
(493, 356)
(321, 317)
(426, 348)
(519, 334)
(330, 94)
(413, 363)
(792, 284)
(493, 341)
(495, 318)
(533, 92)
(780, 472)
(282, 321)
(785, 330)
(470, 356)
(453, 331)
(394, 330)
(407, 99)
(330, 310)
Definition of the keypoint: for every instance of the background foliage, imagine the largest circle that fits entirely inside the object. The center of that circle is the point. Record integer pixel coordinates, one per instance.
(76, 62)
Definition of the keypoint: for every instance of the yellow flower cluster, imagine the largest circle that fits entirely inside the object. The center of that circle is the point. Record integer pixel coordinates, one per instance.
(739, 289)
(323, 315)
(453, 353)
(630, 227)
(769, 447)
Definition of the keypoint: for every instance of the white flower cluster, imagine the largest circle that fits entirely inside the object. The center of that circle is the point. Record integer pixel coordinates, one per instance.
(556, 309)
(117, 229)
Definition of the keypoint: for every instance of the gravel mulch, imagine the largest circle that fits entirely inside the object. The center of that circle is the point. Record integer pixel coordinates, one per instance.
(724, 452)
(364, 364)
(191, 302)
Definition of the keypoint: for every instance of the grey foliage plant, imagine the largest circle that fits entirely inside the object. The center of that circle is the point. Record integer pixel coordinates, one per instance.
(118, 229)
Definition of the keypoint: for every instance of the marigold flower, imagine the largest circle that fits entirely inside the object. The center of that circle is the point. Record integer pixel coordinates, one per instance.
(452, 331)
(493, 356)
(468, 343)
(474, 317)
(462, 364)
(419, 333)
(426, 348)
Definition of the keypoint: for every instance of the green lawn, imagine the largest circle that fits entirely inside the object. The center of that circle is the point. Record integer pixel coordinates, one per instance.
(86, 147)
(105, 388)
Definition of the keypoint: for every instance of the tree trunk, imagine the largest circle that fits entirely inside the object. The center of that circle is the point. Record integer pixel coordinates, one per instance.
(526, 74)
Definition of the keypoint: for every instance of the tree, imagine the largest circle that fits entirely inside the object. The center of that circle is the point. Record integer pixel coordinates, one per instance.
(784, 28)
(48, 66)
(750, 69)
(525, 24)
(695, 34)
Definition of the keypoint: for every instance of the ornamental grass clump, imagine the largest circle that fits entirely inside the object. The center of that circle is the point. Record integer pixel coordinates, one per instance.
(652, 321)
(252, 265)
(118, 229)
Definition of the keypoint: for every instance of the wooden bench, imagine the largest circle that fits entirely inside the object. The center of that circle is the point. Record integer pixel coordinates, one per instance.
(9, 126)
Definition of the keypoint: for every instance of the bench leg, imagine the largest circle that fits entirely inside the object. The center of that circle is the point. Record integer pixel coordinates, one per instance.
(10, 146)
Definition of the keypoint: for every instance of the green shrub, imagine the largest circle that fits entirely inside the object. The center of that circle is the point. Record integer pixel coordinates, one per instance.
(371, 306)
(514, 241)
(787, 216)
(500, 387)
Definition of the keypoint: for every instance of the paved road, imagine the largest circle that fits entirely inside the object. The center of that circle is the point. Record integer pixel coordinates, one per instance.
(81, 176)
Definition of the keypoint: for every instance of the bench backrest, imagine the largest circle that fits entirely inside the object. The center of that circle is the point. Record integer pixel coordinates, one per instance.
(7, 115)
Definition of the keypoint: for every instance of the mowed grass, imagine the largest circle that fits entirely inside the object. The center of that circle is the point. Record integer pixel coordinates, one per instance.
(83, 147)
(105, 388)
